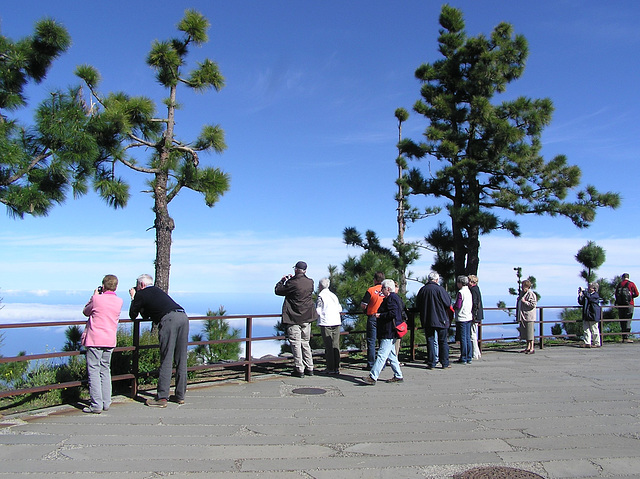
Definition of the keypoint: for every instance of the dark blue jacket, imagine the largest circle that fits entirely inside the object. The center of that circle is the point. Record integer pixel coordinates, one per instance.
(433, 303)
(390, 314)
(590, 306)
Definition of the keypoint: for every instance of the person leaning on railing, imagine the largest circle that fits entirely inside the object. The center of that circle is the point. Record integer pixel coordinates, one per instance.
(173, 334)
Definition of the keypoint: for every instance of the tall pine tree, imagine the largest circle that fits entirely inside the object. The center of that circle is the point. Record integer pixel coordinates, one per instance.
(489, 152)
(124, 124)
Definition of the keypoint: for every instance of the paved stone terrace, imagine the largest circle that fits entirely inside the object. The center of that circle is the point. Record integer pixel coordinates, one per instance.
(564, 412)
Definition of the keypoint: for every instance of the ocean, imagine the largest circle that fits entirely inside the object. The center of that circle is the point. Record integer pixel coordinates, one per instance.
(61, 306)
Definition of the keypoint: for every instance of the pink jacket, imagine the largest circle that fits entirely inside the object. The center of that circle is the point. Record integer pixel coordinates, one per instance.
(103, 311)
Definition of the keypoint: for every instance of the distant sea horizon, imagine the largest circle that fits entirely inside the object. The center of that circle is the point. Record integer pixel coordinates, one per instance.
(68, 305)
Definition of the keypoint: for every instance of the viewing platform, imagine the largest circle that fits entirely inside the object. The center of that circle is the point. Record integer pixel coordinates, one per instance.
(564, 412)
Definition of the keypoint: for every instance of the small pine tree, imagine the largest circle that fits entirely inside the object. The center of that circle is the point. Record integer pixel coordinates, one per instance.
(213, 330)
(74, 339)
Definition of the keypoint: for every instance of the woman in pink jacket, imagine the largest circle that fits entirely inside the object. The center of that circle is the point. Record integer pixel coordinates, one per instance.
(99, 337)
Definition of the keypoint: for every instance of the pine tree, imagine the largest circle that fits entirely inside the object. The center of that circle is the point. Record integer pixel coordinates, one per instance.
(40, 163)
(213, 330)
(490, 153)
(124, 124)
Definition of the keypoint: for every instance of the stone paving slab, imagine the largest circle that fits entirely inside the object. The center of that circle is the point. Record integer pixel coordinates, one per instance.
(563, 413)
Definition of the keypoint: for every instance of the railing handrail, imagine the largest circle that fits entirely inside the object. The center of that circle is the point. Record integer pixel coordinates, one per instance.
(249, 339)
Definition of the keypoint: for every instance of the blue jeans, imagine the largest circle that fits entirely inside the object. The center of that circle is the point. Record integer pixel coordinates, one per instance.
(439, 350)
(387, 350)
(99, 372)
(372, 334)
(466, 348)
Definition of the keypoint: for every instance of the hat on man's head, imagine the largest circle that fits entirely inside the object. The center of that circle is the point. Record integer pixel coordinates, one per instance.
(301, 265)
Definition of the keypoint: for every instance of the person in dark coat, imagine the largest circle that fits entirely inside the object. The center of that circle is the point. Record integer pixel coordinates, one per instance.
(591, 311)
(152, 303)
(389, 316)
(434, 303)
(298, 312)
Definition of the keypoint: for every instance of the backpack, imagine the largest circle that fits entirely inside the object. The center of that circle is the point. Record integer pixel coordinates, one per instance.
(623, 294)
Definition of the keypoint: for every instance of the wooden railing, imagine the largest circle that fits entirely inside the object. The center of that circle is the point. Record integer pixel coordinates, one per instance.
(248, 362)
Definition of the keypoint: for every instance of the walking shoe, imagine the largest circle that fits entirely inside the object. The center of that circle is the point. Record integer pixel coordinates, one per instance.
(448, 366)
(429, 366)
(369, 381)
(395, 379)
(152, 402)
(297, 374)
(176, 400)
(89, 410)
(308, 372)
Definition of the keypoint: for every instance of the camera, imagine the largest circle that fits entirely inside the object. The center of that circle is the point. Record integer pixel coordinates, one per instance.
(99, 289)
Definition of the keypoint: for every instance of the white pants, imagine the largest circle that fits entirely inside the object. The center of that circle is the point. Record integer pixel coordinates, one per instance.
(474, 341)
(590, 328)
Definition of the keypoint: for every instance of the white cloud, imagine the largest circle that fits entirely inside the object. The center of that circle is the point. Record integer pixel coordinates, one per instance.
(246, 262)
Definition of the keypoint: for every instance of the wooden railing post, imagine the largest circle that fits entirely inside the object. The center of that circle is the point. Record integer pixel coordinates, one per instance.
(247, 348)
(411, 316)
(541, 328)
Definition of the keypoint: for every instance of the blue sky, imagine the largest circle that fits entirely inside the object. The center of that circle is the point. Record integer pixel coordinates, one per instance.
(311, 88)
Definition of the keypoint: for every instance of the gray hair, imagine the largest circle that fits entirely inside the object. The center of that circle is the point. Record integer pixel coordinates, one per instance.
(595, 286)
(145, 280)
(324, 283)
(463, 280)
(434, 277)
(389, 284)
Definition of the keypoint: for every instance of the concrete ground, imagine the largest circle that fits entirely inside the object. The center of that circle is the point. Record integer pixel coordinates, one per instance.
(564, 412)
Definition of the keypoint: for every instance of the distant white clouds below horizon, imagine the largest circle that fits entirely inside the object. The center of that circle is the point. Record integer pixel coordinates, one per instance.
(251, 263)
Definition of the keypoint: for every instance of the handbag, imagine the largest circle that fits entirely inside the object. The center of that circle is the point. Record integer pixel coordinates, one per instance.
(401, 329)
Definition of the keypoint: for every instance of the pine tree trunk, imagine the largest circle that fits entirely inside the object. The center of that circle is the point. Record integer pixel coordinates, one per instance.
(164, 223)
(164, 226)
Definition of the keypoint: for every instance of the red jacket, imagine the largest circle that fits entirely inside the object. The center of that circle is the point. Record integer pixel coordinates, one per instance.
(632, 288)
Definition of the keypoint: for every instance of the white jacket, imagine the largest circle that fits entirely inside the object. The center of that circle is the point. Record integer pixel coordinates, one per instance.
(328, 308)
(463, 305)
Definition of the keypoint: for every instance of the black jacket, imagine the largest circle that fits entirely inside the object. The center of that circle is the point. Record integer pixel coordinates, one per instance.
(590, 306)
(390, 316)
(433, 303)
(152, 303)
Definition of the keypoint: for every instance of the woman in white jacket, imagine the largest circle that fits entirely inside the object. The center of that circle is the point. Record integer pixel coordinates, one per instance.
(464, 302)
(329, 309)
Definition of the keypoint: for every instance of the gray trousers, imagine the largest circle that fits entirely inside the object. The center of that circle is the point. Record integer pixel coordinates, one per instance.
(331, 338)
(173, 333)
(299, 336)
(99, 372)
